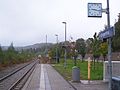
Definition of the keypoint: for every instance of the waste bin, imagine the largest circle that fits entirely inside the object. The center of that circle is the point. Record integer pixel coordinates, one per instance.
(116, 83)
(75, 74)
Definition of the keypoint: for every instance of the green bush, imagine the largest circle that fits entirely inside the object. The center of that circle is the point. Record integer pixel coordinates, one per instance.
(11, 56)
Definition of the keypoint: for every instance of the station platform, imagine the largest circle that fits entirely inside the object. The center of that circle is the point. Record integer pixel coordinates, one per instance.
(44, 77)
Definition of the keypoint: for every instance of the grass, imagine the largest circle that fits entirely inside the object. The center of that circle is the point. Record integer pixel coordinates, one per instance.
(96, 70)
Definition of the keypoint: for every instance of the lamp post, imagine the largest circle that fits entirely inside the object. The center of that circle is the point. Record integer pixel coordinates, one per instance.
(46, 50)
(56, 48)
(65, 45)
(109, 48)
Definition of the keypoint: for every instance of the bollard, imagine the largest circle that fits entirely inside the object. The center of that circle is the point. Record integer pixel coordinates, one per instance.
(89, 65)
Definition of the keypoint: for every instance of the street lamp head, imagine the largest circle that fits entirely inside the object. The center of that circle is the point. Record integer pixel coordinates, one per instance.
(56, 35)
(64, 22)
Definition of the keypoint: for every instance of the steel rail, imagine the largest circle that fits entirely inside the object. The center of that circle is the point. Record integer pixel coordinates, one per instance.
(10, 74)
(22, 77)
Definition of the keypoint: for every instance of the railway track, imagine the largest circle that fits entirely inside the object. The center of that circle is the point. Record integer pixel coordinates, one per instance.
(16, 79)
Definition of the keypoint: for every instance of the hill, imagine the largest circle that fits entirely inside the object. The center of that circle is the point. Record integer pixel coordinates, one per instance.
(34, 46)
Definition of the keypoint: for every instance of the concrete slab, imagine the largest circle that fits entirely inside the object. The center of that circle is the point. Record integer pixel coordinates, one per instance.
(57, 82)
(33, 82)
(45, 77)
(38, 80)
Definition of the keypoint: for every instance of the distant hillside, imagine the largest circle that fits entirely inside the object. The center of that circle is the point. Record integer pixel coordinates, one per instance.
(38, 45)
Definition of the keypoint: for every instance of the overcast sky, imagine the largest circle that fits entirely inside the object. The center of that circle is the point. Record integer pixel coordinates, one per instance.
(26, 22)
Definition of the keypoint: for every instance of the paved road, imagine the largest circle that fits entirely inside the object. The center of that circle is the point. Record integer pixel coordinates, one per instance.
(45, 77)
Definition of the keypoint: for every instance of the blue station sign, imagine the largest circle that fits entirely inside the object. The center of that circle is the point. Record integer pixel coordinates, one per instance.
(108, 33)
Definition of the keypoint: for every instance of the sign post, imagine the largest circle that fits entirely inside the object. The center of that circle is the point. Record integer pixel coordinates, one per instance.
(95, 10)
(109, 48)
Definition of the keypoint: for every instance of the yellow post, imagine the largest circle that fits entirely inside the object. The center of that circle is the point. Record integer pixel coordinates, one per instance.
(89, 65)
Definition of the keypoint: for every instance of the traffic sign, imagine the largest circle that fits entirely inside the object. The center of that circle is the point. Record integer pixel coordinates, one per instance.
(94, 9)
(108, 33)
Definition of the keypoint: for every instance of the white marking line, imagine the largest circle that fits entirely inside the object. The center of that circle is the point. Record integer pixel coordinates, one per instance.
(47, 83)
(42, 79)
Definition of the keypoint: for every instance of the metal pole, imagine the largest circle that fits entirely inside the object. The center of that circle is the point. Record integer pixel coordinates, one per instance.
(56, 47)
(65, 45)
(57, 50)
(109, 49)
(46, 46)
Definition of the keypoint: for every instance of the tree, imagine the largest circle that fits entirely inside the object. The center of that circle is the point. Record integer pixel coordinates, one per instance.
(116, 38)
(95, 44)
(81, 47)
(104, 49)
(73, 52)
(52, 52)
(89, 45)
(61, 49)
(1, 54)
(11, 54)
(96, 47)
(11, 48)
